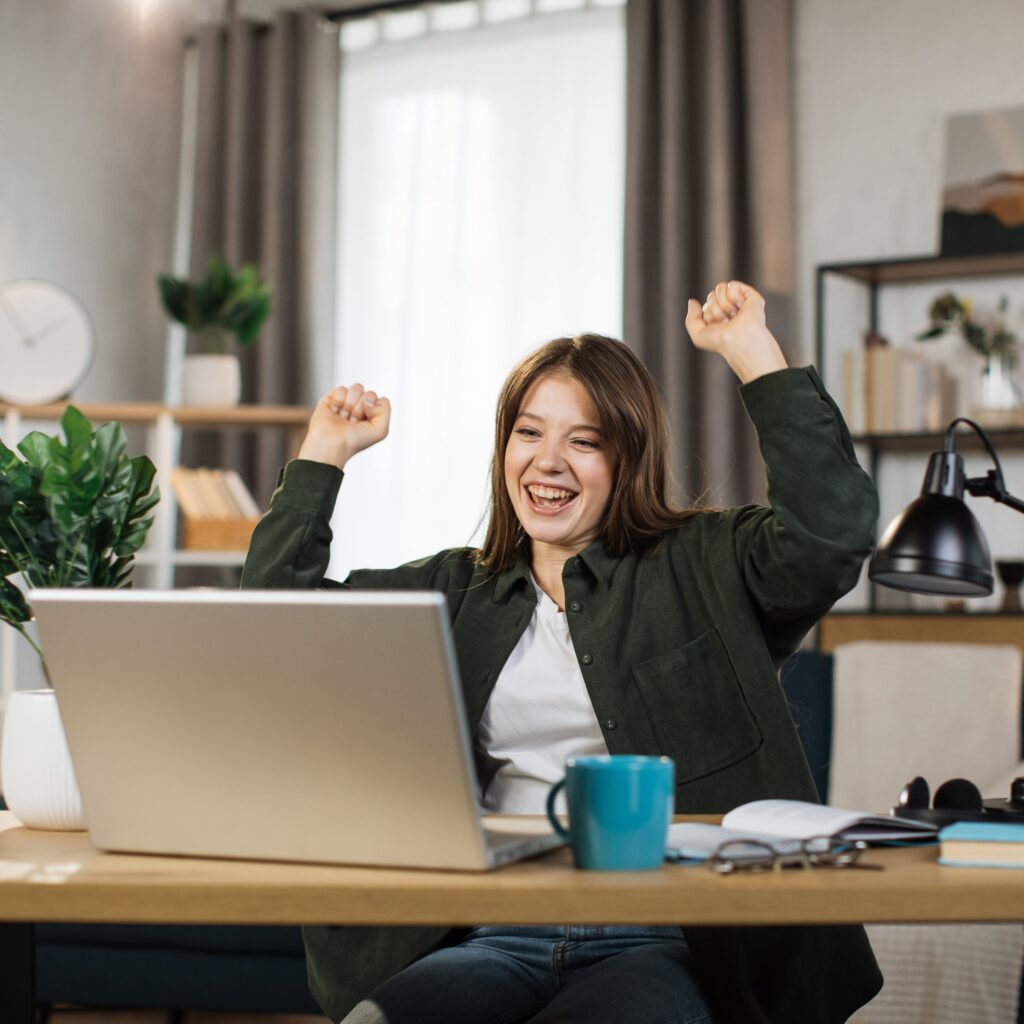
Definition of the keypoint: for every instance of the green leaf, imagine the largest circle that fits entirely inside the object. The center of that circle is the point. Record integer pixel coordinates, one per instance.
(174, 297)
(77, 430)
(7, 458)
(14, 608)
(36, 448)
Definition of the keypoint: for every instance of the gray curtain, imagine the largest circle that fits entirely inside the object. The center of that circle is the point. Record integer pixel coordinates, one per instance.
(708, 198)
(265, 173)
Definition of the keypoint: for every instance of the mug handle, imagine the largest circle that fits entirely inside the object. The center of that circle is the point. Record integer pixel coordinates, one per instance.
(555, 823)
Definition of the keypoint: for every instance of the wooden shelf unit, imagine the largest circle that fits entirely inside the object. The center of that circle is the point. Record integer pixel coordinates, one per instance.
(163, 425)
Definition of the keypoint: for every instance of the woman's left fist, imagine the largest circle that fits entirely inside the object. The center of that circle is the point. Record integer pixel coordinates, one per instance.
(732, 323)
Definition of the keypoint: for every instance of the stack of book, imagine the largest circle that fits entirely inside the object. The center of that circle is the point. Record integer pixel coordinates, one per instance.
(982, 844)
(894, 390)
(218, 511)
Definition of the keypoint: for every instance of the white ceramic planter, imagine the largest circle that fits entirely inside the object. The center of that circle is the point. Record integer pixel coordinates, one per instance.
(211, 380)
(36, 773)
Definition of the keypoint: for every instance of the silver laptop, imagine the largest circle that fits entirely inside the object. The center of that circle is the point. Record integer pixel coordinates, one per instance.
(279, 725)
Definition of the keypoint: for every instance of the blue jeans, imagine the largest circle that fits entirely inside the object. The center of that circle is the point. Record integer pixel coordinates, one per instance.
(571, 975)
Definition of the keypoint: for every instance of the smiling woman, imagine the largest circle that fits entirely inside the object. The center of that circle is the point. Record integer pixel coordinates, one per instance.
(597, 618)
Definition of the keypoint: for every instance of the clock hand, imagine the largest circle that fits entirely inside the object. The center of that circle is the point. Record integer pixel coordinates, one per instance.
(19, 328)
(34, 339)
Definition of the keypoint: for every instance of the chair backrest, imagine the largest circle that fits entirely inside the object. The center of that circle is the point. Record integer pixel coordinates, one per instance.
(806, 679)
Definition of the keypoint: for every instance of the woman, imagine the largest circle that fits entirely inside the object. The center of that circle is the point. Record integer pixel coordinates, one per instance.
(598, 618)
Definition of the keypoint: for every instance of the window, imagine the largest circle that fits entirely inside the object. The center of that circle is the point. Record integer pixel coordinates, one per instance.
(481, 214)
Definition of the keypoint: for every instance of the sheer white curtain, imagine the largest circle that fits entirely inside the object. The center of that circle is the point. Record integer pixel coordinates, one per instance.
(481, 214)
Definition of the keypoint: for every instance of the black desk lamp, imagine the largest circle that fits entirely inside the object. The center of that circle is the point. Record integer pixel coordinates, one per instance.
(935, 545)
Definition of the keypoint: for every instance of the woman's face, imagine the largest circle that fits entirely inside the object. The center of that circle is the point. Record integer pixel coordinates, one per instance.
(558, 468)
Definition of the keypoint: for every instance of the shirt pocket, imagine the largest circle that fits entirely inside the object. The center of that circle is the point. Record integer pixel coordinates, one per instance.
(697, 707)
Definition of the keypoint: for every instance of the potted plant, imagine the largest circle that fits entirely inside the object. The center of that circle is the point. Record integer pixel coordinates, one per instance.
(225, 304)
(73, 513)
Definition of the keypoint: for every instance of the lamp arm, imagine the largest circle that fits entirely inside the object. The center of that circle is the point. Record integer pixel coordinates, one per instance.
(1014, 503)
(991, 486)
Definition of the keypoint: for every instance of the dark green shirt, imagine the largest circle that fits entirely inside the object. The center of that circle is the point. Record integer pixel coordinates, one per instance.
(679, 650)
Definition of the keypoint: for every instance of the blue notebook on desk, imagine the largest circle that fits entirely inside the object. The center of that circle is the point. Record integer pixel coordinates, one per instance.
(982, 844)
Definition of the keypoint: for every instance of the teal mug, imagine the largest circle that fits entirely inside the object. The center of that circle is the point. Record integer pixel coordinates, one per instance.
(620, 807)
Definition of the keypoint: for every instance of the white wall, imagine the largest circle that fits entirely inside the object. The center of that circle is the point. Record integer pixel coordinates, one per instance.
(89, 136)
(874, 81)
(89, 131)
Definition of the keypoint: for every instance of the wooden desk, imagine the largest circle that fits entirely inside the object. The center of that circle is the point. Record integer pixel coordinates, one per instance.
(55, 876)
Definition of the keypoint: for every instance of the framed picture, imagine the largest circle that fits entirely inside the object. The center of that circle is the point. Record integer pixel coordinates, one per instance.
(983, 194)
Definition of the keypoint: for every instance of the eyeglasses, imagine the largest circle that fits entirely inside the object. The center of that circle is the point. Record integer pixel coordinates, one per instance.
(816, 852)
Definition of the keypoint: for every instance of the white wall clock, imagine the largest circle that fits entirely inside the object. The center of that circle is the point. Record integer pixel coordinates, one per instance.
(46, 342)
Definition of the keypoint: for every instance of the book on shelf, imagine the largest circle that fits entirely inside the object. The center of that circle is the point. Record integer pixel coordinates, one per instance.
(888, 389)
(244, 501)
(218, 511)
(784, 824)
(982, 844)
(880, 371)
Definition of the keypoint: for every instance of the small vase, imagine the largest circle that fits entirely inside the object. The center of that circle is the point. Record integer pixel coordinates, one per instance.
(36, 773)
(1000, 388)
(211, 380)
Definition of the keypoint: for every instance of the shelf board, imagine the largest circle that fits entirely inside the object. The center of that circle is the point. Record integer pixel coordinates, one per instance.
(925, 613)
(179, 557)
(183, 415)
(913, 269)
(966, 440)
(920, 627)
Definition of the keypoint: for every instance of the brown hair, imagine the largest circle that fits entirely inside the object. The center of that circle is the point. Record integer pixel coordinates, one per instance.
(631, 415)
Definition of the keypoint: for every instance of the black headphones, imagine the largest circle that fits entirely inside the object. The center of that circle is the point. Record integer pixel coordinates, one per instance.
(958, 800)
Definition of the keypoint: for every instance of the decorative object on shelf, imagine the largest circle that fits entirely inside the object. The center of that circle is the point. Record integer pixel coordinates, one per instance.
(73, 513)
(983, 197)
(1002, 403)
(1011, 575)
(935, 545)
(47, 342)
(223, 305)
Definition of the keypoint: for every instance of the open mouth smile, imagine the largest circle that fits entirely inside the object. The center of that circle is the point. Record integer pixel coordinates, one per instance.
(549, 500)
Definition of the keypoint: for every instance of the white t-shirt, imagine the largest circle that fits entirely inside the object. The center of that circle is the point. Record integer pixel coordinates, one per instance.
(538, 715)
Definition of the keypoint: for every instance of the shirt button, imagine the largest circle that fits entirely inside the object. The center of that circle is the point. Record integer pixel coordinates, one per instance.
(575, 563)
(586, 659)
(612, 724)
(575, 606)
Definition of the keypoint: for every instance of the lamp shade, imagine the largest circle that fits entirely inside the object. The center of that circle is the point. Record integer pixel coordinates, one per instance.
(934, 546)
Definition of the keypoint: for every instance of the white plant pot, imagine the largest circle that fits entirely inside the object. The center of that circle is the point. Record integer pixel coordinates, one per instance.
(36, 773)
(211, 380)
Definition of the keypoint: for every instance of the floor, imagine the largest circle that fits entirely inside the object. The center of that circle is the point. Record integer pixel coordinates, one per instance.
(73, 1016)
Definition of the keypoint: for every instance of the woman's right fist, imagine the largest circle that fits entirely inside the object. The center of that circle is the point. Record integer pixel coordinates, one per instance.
(344, 422)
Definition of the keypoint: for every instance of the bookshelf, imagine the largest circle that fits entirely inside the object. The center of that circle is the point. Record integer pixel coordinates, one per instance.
(874, 276)
(163, 426)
